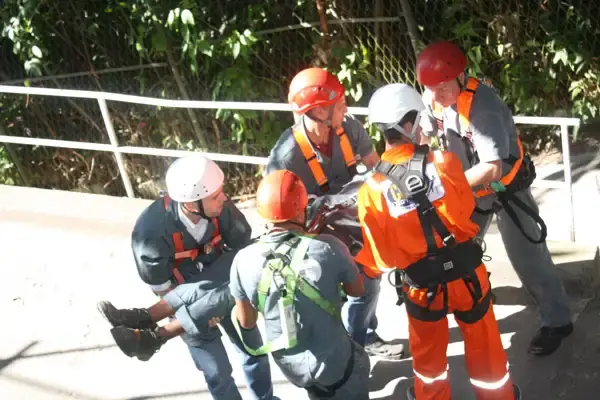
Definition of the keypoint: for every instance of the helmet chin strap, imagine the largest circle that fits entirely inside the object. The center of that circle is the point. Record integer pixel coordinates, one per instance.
(200, 213)
(326, 122)
(412, 135)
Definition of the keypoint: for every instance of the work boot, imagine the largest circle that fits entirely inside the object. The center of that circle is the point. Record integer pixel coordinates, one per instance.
(140, 343)
(380, 348)
(410, 393)
(548, 339)
(136, 318)
(517, 392)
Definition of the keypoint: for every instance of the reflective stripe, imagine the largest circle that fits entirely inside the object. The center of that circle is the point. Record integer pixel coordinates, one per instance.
(311, 157)
(429, 381)
(492, 385)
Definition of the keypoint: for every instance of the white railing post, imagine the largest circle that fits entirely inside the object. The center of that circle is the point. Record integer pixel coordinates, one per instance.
(113, 140)
(564, 137)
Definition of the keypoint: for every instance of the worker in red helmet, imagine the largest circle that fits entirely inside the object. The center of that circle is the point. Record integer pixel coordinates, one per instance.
(471, 120)
(293, 280)
(322, 149)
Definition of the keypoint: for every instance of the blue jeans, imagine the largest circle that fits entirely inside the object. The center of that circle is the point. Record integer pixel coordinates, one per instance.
(359, 313)
(212, 360)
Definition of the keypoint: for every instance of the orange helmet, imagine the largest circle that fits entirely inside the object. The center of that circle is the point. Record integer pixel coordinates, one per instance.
(281, 196)
(440, 62)
(314, 87)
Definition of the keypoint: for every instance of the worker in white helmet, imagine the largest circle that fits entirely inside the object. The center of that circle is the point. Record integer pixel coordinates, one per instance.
(183, 245)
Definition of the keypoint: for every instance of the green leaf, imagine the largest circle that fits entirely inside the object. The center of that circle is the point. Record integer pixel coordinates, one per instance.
(171, 17)
(36, 51)
(159, 41)
(236, 49)
(187, 17)
(204, 47)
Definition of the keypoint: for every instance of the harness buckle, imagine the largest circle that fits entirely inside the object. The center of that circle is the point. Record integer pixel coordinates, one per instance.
(449, 241)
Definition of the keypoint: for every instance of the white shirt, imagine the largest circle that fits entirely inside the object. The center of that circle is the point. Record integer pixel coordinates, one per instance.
(196, 230)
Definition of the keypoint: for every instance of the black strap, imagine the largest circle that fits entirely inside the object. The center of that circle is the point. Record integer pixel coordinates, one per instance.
(326, 392)
(507, 197)
(398, 286)
(412, 181)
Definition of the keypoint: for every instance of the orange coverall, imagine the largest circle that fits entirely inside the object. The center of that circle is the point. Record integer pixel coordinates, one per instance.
(394, 237)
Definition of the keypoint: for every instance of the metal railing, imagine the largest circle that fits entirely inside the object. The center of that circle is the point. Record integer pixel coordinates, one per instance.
(118, 150)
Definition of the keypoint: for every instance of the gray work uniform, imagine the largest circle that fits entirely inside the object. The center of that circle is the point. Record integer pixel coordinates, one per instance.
(204, 295)
(324, 348)
(287, 155)
(206, 276)
(493, 136)
(358, 313)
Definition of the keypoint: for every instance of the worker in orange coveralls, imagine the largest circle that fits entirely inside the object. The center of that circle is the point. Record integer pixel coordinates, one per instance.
(415, 213)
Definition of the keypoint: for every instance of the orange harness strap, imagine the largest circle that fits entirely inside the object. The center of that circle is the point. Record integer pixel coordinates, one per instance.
(463, 107)
(181, 253)
(313, 162)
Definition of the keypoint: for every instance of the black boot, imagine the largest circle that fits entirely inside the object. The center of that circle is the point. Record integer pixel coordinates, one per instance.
(517, 392)
(136, 318)
(140, 343)
(410, 393)
(548, 339)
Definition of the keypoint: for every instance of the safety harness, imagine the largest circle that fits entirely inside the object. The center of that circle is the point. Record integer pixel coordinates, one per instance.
(441, 265)
(311, 157)
(281, 267)
(181, 253)
(522, 170)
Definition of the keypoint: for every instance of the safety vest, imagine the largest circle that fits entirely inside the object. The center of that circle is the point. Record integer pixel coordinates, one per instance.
(282, 266)
(463, 107)
(450, 262)
(313, 162)
(181, 253)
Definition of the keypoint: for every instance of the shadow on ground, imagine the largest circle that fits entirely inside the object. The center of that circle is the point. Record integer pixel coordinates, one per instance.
(550, 377)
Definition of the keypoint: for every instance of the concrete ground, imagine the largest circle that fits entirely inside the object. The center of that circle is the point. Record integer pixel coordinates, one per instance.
(60, 254)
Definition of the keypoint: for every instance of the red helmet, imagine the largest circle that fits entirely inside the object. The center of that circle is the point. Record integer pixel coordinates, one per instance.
(314, 87)
(440, 62)
(281, 196)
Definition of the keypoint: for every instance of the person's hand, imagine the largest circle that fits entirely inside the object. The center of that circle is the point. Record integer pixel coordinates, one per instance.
(214, 321)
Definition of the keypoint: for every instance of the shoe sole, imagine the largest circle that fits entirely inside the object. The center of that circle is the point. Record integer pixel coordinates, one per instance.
(122, 335)
(387, 357)
(105, 307)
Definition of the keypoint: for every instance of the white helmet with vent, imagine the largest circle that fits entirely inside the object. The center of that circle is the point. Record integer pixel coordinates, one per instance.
(192, 178)
(390, 104)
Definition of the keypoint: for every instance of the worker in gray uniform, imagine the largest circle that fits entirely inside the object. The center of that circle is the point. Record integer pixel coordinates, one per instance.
(322, 149)
(293, 280)
(183, 246)
(472, 121)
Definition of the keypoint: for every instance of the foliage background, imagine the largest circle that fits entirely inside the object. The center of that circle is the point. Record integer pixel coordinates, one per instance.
(542, 56)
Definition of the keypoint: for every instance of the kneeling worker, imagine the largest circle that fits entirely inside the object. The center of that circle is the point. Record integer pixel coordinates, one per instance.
(293, 279)
(416, 216)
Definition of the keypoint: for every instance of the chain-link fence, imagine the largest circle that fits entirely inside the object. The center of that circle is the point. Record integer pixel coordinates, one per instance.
(525, 47)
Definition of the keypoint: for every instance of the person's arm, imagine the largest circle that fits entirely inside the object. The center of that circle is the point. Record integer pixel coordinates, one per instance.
(349, 276)
(234, 226)
(376, 249)
(490, 139)
(245, 312)
(371, 159)
(484, 173)
(154, 260)
(361, 142)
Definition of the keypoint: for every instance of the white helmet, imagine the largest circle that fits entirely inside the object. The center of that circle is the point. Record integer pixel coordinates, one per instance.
(390, 103)
(192, 178)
